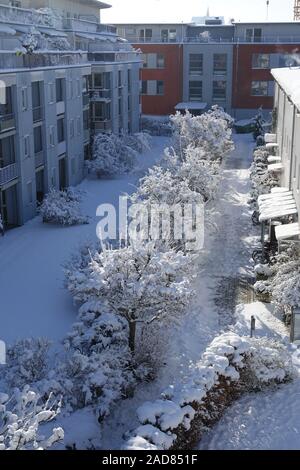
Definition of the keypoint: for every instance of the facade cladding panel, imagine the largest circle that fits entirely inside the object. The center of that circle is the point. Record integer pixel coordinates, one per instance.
(170, 74)
(245, 72)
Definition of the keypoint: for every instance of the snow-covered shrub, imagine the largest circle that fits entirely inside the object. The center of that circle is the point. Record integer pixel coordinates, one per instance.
(139, 284)
(156, 127)
(111, 156)
(286, 285)
(21, 417)
(219, 113)
(139, 142)
(27, 362)
(208, 131)
(268, 362)
(63, 208)
(230, 366)
(98, 366)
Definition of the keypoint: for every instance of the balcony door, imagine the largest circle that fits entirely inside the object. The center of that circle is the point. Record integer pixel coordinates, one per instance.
(9, 206)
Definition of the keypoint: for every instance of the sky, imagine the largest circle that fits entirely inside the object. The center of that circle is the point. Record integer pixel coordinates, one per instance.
(134, 11)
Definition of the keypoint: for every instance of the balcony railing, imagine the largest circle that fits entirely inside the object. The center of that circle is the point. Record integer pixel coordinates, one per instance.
(7, 122)
(102, 94)
(217, 40)
(103, 125)
(9, 59)
(39, 159)
(8, 173)
(37, 114)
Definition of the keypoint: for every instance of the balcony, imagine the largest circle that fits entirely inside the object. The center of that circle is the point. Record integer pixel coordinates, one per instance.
(85, 99)
(8, 173)
(102, 125)
(37, 114)
(7, 122)
(39, 159)
(102, 94)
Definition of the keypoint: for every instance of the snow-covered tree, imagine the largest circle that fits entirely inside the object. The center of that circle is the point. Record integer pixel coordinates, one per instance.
(63, 207)
(286, 285)
(111, 156)
(140, 285)
(209, 131)
(21, 417)
(139, 142)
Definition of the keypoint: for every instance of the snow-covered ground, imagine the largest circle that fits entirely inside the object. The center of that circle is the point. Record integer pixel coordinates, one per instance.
(268, 420)
(33, 299)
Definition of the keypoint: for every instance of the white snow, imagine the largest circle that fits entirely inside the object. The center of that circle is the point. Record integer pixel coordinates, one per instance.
(284, 232)
(33, 299)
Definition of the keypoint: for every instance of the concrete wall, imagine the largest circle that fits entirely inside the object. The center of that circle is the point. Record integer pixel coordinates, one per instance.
(208, 76)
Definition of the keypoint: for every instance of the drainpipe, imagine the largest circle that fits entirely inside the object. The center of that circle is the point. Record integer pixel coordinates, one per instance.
(236, 75)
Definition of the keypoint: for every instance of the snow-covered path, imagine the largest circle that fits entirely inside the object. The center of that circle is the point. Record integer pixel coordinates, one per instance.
(33, 299)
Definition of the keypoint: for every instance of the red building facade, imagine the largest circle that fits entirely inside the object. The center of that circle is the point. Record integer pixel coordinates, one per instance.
(165, 78)
(252, 64)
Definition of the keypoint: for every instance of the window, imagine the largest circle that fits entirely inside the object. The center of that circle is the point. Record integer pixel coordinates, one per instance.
(98, 80)
(26, 146)
(72, 128)
(253, 34)
(24, 99)
(53, 178)
(29, 192)
(262, 88)
(6, 107)
(195, 90)
(196, 64)
(85, 84)
(38, 140)
(36, 95)
(120, 107)
(102, 111)
(51, 93)
(79, 88)
(144, 87)
(129, 80)
(71, 88)
(120, 77)
(219, 90)
(129, 103)
(7, 151)
(60, 130)
(52, 136)
(168, 35)
(261, 61)
(220, 63)
(146, 35)
(160, 61)
(160, 87)
(59, 90)
(79, 126)
(86, 120)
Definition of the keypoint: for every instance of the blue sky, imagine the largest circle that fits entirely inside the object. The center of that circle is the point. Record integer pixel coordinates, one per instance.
(123, 11)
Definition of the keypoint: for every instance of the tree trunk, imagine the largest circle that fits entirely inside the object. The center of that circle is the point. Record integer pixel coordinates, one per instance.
(132, 333)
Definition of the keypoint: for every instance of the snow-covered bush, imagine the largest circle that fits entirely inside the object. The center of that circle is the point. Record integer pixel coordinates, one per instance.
(286, 285)
(140, 284)
(156, 127)
(98, 366)
(230, 366)
(21, 417)
(219, 113)
(139, 142)
(63, 208)
(208, 131)
(111, 156)
(27, 362)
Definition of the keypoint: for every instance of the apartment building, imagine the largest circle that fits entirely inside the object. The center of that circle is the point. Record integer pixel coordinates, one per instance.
(217, 63)
(287, 110)
(80, 79)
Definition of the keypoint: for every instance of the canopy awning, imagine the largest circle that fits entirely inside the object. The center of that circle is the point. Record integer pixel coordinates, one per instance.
(284, 232)
(276, 205)
(195, 105)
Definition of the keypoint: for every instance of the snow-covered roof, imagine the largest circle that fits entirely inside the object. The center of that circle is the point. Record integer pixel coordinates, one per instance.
(276, 205)
(52, 32)
(196, 105)
(284, 232)
(289, 80)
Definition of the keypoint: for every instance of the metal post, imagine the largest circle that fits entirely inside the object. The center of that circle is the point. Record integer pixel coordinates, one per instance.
(253, 324)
